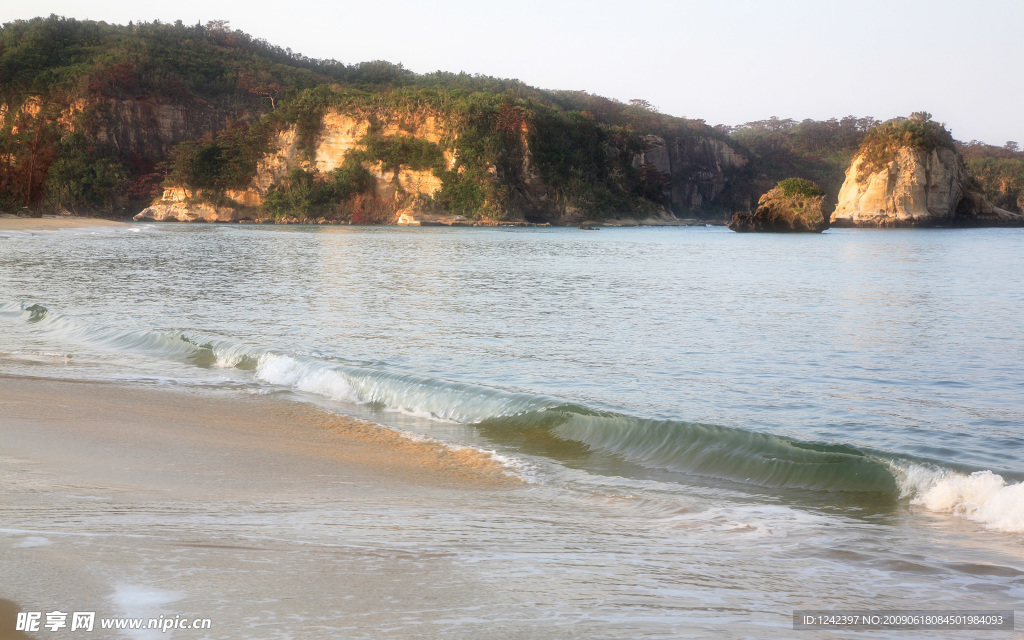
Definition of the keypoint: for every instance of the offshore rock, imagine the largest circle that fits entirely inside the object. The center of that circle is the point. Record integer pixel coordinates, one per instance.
(915, 188)
(794, 206)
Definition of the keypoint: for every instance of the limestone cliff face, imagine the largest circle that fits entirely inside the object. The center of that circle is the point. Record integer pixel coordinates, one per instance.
(149, 126)
(696, 174)
(139, 132)
(915, 188)
(700, 175)
(176, 205)
(340, 135)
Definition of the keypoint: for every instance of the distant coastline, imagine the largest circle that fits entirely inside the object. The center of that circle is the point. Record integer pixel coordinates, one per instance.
(122, 120)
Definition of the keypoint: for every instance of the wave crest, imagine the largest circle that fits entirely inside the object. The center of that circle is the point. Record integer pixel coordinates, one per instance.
(984, 497)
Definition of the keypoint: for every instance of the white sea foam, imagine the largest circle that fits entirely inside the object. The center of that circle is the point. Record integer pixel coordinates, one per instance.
(140, 601)
(280, 370)
(514, 467)
(438, 400)
(287, 371)
(983, 496)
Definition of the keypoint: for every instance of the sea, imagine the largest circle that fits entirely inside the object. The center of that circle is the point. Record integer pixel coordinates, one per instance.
(713, 430)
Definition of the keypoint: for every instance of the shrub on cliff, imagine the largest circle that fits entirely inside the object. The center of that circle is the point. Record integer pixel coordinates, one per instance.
(794, 205)
(225, 161)
(86, 178)
(918, 132)
(799, 188)
(310, 194)
(397, 151)
(999, 172)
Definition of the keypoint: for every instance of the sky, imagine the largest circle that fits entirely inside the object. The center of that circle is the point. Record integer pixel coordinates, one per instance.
(724, 61)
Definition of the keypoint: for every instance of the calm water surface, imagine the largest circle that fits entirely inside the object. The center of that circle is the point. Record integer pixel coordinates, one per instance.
(717, 428)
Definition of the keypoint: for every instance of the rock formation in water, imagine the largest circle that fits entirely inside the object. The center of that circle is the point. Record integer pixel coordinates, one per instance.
(909, 173)
(793, 206)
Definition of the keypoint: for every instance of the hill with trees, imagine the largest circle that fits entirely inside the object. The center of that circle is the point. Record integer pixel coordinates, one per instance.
(104, 119)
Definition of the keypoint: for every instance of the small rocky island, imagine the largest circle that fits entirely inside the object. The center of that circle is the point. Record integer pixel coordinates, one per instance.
(793, 206)
(909, 173)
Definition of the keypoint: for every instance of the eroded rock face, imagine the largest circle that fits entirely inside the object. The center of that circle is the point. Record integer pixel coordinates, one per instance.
(697, 171)
(341, 134)
(175, 207)
(915, 188)
(778, 213)
(150, 127)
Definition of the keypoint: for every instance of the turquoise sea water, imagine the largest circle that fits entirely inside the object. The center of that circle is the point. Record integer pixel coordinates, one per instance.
(737, 425)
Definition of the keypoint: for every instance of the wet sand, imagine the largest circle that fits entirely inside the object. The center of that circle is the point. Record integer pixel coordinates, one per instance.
(8, 621)
(270, 517)
(10, 222)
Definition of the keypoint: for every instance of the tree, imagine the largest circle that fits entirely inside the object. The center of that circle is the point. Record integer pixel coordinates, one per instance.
(260, 84)
(643, 104)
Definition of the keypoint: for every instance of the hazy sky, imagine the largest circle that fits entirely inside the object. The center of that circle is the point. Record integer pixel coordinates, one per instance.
(726, 61)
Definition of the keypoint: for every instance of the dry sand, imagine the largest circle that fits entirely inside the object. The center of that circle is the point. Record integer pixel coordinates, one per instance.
(10, 222)
(270, 517)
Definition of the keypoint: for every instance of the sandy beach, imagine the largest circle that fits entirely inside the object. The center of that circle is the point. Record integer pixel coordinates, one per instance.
(146, 502)
(9, 222)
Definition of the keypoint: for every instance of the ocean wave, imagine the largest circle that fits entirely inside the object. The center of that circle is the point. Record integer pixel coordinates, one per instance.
(415, 395)
(727, 453)
(686, 448)
(984, 497)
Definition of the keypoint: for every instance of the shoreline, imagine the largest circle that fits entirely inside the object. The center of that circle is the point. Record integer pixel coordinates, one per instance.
(93, 411)
(11, 222)
(140, 502)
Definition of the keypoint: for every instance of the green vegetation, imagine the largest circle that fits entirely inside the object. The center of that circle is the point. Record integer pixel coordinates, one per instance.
(999, 172)
(225, 161)
(94, 118)
(308, 194)
(817, 150)
(86, 177)
(51, 55)
(918, 132)
(792, 187)
(396, 151)
(570, 150)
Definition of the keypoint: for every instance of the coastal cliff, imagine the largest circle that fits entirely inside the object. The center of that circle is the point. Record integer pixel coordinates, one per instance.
(204, 123)
(491, 161)
(909, 173)
(395, 193)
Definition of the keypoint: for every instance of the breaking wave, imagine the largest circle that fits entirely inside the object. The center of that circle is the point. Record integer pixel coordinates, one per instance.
(686, 448)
